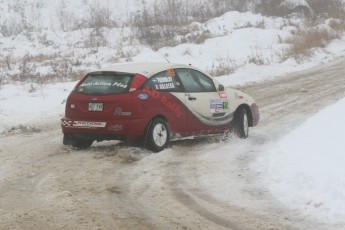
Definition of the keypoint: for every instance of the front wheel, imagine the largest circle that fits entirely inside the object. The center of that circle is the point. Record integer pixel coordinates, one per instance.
(241, 123)
(158, 135)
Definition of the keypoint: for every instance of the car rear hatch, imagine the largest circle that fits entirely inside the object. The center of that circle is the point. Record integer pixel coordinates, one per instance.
(100, 100)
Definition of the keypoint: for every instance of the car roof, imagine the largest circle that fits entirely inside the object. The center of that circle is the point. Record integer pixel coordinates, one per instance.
(147, 69)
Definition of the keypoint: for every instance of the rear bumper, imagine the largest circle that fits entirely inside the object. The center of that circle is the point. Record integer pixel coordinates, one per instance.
(130, 130)
(256, 115)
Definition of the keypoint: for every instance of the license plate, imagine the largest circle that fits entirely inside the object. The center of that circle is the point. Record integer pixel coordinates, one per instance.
(98, 107)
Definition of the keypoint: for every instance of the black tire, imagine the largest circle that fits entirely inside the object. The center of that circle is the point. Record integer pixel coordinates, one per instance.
(241, 123)
(82, 143)
(158, 135)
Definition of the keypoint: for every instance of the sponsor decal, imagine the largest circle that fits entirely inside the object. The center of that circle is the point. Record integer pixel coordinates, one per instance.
(225, 105)
(223, 95)
(165, 86)
(88, 124)
(126, 113)
(143, 96)
(116, 127)
(164, 83)
(153, 93)
(97, 83)
(103, 83)
(118, 111)
(120, 85)
(171, 105)
(238, 97)
(164, 79)
(218, 106)
(66, 123)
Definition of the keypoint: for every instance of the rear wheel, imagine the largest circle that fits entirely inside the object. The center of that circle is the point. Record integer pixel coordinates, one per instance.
(241, 123)
(158, 135)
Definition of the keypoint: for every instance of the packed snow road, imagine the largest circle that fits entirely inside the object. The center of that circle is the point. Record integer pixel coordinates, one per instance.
(45, 185)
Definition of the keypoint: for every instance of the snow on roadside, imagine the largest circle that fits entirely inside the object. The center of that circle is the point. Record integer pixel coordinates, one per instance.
(31, 104)
(248, 43)
(305, 169)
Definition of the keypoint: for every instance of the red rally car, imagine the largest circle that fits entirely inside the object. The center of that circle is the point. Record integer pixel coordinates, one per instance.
(154, 103)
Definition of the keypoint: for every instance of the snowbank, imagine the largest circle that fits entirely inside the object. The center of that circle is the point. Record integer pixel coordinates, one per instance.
(305, 169)
(32, 104)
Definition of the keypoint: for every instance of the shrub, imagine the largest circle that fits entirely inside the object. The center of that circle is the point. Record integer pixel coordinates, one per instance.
(257, 59)
(312, 9)
(8, 62)
(18, 19)
(327, 8)
(198, 37)
(67, 20)
(222, 6)
(12, 27)
(304, 40)
(96, 38)
(62, 69)
(270, 7)
(170, 19)
(223, 66)
(27, 70)
(337, 24)
(97, 17)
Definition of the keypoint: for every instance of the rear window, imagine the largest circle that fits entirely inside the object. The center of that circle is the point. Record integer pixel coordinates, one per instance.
(104, 84)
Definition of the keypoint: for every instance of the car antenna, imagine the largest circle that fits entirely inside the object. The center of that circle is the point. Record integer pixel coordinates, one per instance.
(163, 56)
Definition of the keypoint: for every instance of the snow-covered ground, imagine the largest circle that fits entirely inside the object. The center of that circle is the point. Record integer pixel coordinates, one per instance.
(31, 104)
(236, 42)
(304, 169)
(241, 43)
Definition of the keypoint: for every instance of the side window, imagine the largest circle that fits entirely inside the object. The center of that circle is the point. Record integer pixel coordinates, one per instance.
(205, 81)
(165, 81)
(194, 81)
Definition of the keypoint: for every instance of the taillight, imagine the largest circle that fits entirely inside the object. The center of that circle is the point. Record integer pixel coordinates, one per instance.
(78, 83)
(137, 82)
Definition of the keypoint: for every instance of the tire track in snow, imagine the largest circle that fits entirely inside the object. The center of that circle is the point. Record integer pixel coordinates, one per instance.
(46, 185)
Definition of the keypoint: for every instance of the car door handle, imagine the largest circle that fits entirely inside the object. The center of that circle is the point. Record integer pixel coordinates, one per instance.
(191, 98)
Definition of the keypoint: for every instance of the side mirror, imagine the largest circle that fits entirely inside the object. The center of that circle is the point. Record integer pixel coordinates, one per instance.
(221, 87)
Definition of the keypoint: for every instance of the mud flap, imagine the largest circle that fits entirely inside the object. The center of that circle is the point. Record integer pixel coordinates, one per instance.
(67, 140)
